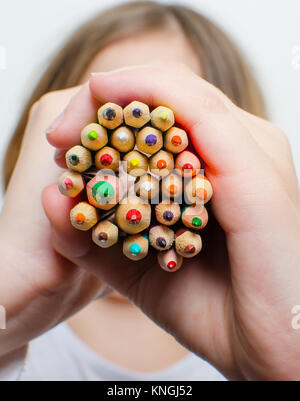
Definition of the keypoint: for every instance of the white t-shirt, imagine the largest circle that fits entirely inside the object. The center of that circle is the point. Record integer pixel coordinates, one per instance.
(60, 355)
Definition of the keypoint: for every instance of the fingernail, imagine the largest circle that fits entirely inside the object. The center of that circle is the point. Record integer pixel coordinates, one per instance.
(131, 67)
(96, 74)
(56, 123)
(59, 154)
(103, 74)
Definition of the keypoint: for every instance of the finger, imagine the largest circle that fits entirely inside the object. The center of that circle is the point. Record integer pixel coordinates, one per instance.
(199, 107)
(277, 147)
(64, 132)
(78, 246)
(110, 265)
(241, 172)
(60, 158)
(71, 241)
(57, 208)
(164, 296)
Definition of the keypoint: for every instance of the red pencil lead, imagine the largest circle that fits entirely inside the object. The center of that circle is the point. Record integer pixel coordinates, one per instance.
(171, 265)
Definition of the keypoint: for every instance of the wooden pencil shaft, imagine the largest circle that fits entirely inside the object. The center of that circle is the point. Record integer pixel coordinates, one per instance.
(161, 163)
(110, 115)
(94, 136)
(123, 139)
(83, 216)
(132, 215)
(198, 190)
(149, 140)
(175, 140)
(107, 158)
(78, 158)
(169, 260)
(195, 217)
(161, 237)
(147, 187)
(136, 163)
(135, 247)
(162, 118)
(71, 183)
(172, 186)
(105, 234)
(188, 164)
(104, 191)
(136, 114)
(188, 244)
(167, 213)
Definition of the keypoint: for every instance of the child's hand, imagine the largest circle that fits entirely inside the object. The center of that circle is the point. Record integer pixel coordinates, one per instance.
(232, 305)
(38, 287)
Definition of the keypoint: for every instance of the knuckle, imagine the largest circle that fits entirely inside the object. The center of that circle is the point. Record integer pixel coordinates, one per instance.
(57, 98)
(178, 66)
(281, 136)
(33, 109)
(170, 69)
(211, 99)
(47, 99)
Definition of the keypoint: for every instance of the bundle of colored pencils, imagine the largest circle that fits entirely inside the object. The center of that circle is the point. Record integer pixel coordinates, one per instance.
(138, 180)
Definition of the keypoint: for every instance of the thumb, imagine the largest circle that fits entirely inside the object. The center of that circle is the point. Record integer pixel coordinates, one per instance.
(199, 107)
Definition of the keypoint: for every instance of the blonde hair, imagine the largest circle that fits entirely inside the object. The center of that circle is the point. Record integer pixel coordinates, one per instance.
(222, 63)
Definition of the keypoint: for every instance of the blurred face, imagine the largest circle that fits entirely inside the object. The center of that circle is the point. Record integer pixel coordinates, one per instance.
(157, 46)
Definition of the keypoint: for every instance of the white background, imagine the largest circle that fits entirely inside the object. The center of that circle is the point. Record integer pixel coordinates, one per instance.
(267, 31)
